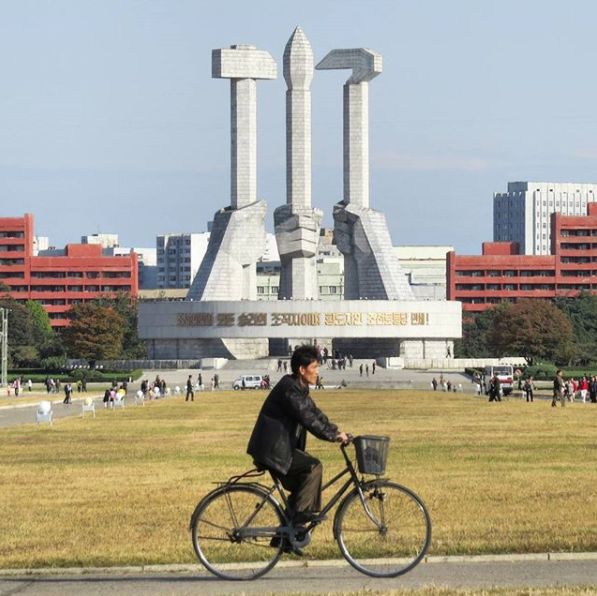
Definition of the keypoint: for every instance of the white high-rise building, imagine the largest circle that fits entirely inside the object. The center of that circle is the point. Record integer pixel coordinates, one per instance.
(179, 257)
(523, 213)
(106, 240)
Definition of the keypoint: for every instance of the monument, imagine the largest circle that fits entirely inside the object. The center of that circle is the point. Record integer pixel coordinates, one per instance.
(371, 271)
(297, 223)
(221, 317)
(237, 237)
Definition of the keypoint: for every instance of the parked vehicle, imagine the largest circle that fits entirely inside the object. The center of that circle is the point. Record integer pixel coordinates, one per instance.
(505, 375)
(250, 382)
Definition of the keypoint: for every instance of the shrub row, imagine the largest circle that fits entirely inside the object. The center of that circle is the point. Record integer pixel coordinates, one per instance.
(92, 376)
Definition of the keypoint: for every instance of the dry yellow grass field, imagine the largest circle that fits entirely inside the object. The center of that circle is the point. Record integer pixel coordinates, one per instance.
(119, 489)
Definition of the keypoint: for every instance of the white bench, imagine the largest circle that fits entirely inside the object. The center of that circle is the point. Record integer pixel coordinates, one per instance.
(87, 406)
(44, 412)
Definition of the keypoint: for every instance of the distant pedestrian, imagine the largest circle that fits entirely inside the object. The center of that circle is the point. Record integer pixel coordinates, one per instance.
(350, 360)
(373, 365)
(593, 390)
(200, 381)
(30, 385)
(558, 390)
(494, 389)
(84, 385)
(367, 369)
(528, 388)
(361, 370)
(216, 381)
(68, 391)
(434, 384)
(190, 392)
(279, 369)
(285, 363)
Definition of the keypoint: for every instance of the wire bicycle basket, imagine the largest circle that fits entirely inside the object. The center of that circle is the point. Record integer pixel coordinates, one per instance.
(372, 453)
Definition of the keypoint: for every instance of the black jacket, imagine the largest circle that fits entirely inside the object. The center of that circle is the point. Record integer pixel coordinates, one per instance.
(287, 413)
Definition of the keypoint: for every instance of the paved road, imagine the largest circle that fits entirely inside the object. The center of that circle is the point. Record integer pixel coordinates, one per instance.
(12, 416)
(317, 579)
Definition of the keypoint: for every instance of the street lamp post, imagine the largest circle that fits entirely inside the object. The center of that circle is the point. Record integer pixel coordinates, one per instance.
(4, 339)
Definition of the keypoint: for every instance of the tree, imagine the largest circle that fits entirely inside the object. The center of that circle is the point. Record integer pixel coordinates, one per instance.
(41, 329)
(95, 332)
(582, 312)
(533, 329)
(474, 336)
(21, 347)
(127, 307)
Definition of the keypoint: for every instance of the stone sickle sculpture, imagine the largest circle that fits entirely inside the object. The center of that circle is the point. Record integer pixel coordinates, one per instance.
(371, 271)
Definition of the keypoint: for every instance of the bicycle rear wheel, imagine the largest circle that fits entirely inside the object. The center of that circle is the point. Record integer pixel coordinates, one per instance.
(232, 528)
(389, 540)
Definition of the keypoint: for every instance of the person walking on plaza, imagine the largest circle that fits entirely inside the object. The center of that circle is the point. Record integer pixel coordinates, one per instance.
(68, 390)
(583, 387)
(434, 384)
(200, 382)
(494, 389)
(279, 437)
(373, 365)
(593, 390)
(528, 389)
(558, 390)
(367, 369)
(190, 392)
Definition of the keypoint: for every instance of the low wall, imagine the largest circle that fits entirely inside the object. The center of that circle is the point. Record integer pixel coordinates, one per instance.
(448, 363)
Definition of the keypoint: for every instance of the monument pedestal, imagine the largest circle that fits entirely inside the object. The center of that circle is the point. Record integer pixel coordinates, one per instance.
(237, 240)
(371, 269)
(297, 235)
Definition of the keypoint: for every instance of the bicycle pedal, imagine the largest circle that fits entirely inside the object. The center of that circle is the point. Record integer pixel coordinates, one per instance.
(303, 540)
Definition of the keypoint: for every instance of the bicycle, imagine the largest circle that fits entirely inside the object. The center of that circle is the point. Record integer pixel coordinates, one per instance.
(240, 530)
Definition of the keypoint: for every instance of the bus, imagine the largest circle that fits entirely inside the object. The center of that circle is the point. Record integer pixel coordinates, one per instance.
(505, 375)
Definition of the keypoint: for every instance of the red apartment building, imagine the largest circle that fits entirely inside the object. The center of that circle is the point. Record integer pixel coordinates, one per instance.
(501, 274)
(78, 274)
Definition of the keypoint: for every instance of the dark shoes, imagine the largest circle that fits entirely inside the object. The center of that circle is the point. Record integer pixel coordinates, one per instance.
(286, 546)
(307, 517)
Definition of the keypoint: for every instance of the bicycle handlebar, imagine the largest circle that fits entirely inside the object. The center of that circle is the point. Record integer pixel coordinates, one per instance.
(350, 440)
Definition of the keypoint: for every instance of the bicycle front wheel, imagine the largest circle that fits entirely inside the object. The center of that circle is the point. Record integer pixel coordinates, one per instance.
(232, 529)
(387, 535)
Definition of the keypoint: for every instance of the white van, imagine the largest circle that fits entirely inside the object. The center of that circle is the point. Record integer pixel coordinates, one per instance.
(251, 382)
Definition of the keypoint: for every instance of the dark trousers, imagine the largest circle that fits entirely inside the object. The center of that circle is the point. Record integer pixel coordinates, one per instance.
(303, 480)
(190, 394)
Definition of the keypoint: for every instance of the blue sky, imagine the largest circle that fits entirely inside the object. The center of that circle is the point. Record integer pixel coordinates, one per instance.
(110, 121)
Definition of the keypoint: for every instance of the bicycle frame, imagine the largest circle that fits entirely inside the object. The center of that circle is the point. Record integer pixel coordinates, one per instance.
(289, 530)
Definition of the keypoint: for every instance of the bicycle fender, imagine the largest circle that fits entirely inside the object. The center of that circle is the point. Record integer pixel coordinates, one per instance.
(260, 487)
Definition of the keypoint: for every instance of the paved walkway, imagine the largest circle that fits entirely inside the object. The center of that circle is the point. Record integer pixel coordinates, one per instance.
(537, 571)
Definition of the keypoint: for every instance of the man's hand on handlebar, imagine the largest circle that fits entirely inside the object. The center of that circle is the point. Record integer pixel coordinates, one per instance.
(343, 438)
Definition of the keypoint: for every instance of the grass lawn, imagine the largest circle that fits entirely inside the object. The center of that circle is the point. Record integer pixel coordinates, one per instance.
(120, 488)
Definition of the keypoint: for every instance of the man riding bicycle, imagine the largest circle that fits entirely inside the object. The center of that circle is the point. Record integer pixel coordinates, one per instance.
(279, 437)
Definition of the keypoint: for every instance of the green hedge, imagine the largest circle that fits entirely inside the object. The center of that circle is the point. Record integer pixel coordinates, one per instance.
(547, 371)
(92, 376)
